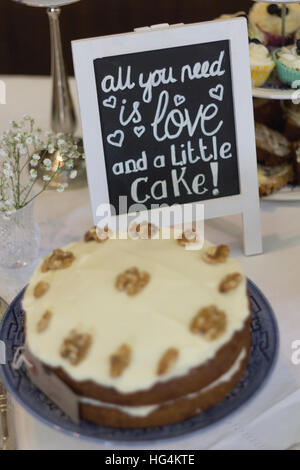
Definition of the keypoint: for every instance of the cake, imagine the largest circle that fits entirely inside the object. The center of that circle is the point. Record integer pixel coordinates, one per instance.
(268, 18)
(272, 147)
(269, 112)
(253, 31)
(296, 146)
(273, 178)
(292, 122)
(146, 331)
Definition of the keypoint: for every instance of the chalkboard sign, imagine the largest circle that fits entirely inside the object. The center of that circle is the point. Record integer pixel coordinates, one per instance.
(167, 119)
(168, 124)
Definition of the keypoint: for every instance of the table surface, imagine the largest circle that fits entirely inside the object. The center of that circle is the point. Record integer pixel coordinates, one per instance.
(271, 420)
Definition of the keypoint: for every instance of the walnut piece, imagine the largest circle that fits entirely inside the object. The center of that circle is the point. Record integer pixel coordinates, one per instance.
(44, 322)
(209, 322)
(230, 282)
(144, 230)
(120, 360)
(167, 361)
(132, 281)
(98, 235)
(75, 347)
(40, 289)
(59, 259)
(216, 255)
(187, 237)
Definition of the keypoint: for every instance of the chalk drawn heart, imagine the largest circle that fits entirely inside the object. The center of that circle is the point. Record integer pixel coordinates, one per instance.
(217, 93)
(139, 130)
(110, 102)
(116, 138)
(178, 100)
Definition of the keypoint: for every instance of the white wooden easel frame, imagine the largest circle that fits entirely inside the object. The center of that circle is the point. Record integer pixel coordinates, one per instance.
(162, 37)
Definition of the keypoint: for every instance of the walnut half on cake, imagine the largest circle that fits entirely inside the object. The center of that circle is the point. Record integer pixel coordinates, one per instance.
(145, 332)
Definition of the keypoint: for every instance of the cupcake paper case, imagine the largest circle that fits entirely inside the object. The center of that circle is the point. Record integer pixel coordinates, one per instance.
(287, 63)
(261, 63)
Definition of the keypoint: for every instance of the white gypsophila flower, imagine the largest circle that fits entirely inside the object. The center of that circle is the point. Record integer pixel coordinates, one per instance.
(69, 164)
(47, 162)
(29, 141)
(34, 162)
(59, 135)
(7, 173)
(3, 153)
(51, 148)
(26, 117)
(6, 165)
(46, 178)
(61, 143)
(60, 188)
(22, 150)
(73, 174)
(36, 156)
(8, 203)
(33, 174)
(83, 156)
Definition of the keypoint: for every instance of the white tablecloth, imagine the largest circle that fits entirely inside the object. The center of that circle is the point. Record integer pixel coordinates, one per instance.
(271, 420)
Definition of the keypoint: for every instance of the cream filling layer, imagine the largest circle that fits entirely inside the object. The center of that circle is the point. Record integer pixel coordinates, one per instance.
(84, 297)
(143, 411)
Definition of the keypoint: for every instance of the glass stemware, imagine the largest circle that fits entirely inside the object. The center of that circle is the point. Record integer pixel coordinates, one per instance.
(63, 119)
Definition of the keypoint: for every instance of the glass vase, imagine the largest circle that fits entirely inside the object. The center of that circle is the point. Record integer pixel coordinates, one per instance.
(19, 238)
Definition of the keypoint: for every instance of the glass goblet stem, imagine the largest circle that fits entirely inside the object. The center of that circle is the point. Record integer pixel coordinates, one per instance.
(62, 115)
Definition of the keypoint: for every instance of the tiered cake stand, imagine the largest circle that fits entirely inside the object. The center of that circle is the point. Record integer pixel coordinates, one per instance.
(275, 90)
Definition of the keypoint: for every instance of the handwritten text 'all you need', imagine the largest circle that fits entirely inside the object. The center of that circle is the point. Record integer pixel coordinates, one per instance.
(192, 137)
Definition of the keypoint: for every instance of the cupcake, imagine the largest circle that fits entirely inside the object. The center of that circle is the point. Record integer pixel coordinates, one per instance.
(267, 17)
(287, 60)
(261, 63)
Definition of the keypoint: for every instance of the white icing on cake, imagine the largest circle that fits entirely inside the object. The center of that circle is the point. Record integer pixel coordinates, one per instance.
(84, 297)
(143, 411)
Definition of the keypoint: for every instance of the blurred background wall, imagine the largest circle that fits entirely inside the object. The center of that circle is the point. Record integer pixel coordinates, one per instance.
(24, 32)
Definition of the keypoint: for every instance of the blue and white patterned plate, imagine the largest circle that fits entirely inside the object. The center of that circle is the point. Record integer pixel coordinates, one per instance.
(263, 355)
